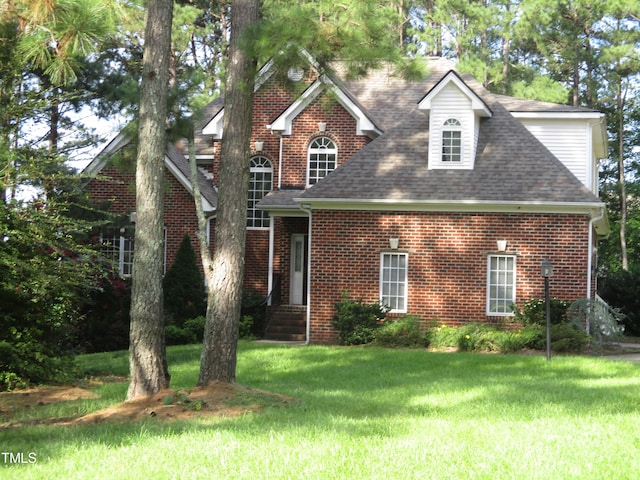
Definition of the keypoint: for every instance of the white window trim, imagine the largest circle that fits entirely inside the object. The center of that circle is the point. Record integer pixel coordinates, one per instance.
(449, 126)
(405, 280)
(310, 150)
(513, 285)
(262, 169)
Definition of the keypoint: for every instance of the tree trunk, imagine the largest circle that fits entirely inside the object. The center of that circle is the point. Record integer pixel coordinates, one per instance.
(623, 191)
(147, 352)
(218, 360)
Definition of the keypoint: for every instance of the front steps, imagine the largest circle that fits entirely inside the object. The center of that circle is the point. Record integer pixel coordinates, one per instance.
(286, 323)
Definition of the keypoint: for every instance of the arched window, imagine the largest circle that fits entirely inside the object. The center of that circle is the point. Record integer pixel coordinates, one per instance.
(322, 159)
(451, 140)
(260, 183)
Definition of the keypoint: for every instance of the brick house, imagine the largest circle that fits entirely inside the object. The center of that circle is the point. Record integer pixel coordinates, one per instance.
(435, 197)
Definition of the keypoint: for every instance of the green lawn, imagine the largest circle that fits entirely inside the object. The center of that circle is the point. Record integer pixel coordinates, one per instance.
(363, 413)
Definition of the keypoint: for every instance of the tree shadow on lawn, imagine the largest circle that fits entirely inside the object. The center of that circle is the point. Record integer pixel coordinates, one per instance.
(375, 392)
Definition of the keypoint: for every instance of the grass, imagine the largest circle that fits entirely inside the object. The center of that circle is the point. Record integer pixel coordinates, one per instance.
(363, 413)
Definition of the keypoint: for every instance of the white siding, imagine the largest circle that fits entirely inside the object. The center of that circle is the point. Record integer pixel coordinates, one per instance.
(569, 140)
(451, 102)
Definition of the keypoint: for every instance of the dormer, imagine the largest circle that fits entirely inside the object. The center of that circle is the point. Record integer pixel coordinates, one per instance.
(454, 121)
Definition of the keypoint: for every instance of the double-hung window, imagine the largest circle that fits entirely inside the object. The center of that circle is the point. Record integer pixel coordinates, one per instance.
(322, 159)
(118, 248)
(452, 141)
(393, 281)
(260, 183)
(501, 284)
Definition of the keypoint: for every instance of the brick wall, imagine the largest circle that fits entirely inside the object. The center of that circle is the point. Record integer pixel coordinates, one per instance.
(448, 252)
(116, 184)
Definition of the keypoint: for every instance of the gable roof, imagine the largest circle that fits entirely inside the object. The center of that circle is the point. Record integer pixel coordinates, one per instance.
(175, 162)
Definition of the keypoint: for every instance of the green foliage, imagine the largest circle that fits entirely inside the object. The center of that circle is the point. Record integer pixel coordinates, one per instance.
(105, 319)
(47, 275)
(183, 284)
(604, 322)
(621, 290)
(403, 332)
(566, 338)
(253, 306)
(533, 312)
(357, 322)
(480, 337)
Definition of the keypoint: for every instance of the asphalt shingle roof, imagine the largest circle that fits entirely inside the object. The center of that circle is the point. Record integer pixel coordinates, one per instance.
(511, 165)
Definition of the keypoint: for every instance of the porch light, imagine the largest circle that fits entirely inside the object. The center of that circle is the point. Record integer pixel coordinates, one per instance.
(258, 146)
(393, 243)
(322, 126)
(546, 270)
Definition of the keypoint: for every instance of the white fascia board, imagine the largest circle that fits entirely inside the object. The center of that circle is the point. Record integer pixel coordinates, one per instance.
(477, 104)
(485, 206)
(214, 127)
(364, 125)
(186, 183)
(285, 120)
(98, 163)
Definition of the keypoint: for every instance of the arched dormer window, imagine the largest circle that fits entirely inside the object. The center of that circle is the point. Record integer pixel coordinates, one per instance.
(452, 140)
(322, 158)
(260, 183)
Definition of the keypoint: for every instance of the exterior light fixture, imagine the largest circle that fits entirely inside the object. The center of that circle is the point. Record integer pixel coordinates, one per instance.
(322, 126)
(546, 270)
(258, 146)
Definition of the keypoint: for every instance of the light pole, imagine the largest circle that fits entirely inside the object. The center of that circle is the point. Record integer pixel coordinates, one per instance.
(547, 272)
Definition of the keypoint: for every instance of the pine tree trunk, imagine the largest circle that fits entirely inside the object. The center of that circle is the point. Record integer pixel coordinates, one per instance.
(147, 352)
(218, 360)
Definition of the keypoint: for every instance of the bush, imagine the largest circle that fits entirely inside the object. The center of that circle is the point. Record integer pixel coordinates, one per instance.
(357, 322)
(196, 327)
(403, 332)
(105, 324)
(175, 335)
(621, 290)
(565, 338)
(246, 327)
(605, 323)
(183, 285)
(480, 337)
(534, 312)
(253, 305)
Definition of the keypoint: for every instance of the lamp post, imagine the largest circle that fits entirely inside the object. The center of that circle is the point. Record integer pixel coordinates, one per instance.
(547, 272)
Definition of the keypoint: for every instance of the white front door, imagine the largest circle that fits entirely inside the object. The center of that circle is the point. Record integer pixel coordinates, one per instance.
(298, 260)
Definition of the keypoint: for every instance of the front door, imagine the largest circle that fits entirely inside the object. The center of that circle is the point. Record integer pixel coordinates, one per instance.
(297, 290)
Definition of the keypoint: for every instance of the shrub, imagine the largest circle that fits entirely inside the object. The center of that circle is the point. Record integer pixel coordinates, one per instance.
(403, 332)
(105, 324)
(175, 335)
(183, 284)
(253, 305)
(565, 338)
(196, 327)
(604, 322)
(246, 327)
(357, 322)
(622, 291)
(534, 312)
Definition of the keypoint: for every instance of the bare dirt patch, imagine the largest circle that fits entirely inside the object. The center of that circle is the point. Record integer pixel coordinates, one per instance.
(216, 400)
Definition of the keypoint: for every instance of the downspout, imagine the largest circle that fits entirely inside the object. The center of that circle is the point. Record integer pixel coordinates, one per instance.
(590, 259)
(280, 163)
(270, 275)
(307, 208)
